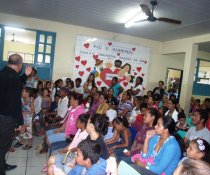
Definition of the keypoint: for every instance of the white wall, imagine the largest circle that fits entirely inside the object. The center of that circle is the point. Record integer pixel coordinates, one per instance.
(65, 40)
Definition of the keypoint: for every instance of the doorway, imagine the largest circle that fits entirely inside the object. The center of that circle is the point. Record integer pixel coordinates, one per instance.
(174, 81)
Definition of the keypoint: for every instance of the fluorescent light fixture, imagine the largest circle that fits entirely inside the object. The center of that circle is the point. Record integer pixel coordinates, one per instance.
(91, 40)
(137, 17)
(14, 29)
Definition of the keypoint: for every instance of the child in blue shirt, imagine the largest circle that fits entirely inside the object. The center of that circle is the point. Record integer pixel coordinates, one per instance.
(88, 161)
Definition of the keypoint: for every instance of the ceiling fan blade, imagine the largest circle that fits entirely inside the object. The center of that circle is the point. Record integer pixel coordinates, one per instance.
(146, 9)
(174, 21)
(142, 20)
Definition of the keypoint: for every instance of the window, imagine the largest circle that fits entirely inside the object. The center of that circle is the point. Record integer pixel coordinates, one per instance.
(203, 72)
(19, 41)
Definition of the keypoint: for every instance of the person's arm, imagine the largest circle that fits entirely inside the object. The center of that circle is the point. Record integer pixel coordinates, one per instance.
(121, 89)
(148, 142)
(125, 140)
(124, 113)
(168, 156)
(113, 139)
(105, 109)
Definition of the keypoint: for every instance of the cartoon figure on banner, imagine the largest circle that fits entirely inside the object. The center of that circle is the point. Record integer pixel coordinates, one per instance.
(124, 72)
(98, 66)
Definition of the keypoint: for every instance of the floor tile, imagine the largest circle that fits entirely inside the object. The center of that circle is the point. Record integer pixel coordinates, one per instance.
(17, 171)
(19, 152)
(34, 171)
(36, 161)
(19, 161)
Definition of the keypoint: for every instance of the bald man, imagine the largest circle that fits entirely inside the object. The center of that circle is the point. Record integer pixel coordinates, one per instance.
(10, 105)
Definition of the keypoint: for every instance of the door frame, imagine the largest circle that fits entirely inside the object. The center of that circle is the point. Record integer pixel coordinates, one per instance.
(181, 77)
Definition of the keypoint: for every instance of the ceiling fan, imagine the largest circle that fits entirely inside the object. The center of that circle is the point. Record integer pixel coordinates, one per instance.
(151, 18)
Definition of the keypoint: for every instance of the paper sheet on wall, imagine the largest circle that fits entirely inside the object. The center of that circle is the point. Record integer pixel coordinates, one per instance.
(107, 59)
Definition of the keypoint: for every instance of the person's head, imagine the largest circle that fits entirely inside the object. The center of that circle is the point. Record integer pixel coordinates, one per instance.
(139, 80)
(27, 92)
(165, 126)
(149, 94)
(120, 123)
(126, 96)
(60, 83)
(91, 79)
(207, 102)
(192, 167)
(114, 80)
(145, 99)
(181, 117)
(151, 116)
(200, 117)
(127, 68)
(96, 96)
(98, 123)
(89, 99)
(33, 72)
(78, 82)
(40, 85)
(137, 101)
(143, 108)
(151, 100)
(63, 92)
(104, 89)
(161, 111)
(56, 98)
(68, 80)
(70, 84)
(88, 153)
(75, 99)
(165, 99)
(82, 121)
(48, 85)
(46, 92)
(199, 149)
(160, 84)
(171, 104)
(15, 61)
(172, 96)
(94, 89)
(110, 92)
(198, 101)
(103, 98)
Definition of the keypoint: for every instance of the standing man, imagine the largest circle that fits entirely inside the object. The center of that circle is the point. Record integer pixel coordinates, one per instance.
(10, 105)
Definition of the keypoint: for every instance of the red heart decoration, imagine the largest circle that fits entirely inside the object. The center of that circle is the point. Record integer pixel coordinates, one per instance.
(125, 83)
(88, 69)
(86, 45)
(109, 43)
(77, 66)
(77, 58)
(95, 57)
(103, 76)
(84, 62)
(99, 83)
(134, 49)
(118, 54)
(142, 74)
(135, 73)
(145, 62)
(139, 69)
(81, 73)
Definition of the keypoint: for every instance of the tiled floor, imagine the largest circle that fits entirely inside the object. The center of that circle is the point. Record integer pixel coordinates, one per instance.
(28, 162)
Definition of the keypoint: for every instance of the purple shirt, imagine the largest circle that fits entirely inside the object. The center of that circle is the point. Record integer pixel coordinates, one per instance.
(140, 137)
(94, 107)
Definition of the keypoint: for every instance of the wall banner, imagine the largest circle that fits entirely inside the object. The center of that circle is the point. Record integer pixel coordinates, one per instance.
(107, 59)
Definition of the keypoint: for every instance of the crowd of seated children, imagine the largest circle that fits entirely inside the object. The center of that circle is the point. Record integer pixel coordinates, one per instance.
(75, 112)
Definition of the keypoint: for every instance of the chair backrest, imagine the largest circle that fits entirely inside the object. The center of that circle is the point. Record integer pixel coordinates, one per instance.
(125, 169)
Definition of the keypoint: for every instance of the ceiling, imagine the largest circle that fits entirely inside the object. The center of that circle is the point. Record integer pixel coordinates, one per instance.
(110, 15)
